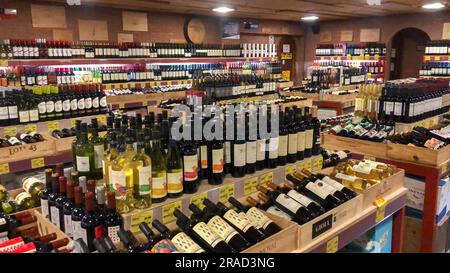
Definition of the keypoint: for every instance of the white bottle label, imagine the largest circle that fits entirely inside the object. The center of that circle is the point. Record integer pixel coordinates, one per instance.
(68, 225)
(256, 216)
(346, 177)
(204, 156)
(112, 233)
(362, 169)
(283, 147)
(308, 139)
(159, 187)
(117, 180)
(83, 163)
(76, 229)
(293, 145)
(333, 183)
(145, 180)
(318, 191)
(227, 148)
(331, 190)
(208, 235)
(174, 182)
(305, 201)
(55, 215)
(276, 211)
(251, 152)
(217, 160)
(261, 149)
(99, 153)
(239, 155)
(185, 244)
(190, 164)
(273, 148)
(44, 208)
(233, 217)
(221, 228)
(288, 203)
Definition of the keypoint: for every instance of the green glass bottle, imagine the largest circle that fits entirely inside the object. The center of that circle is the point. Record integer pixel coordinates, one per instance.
(99, 149)
(84, 154)
(174, 170)
(75, 142)
(142, 175)
(159, 186)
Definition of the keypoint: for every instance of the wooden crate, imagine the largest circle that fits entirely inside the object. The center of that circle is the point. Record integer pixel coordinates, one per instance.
(157, 97)
(408, 127)
(359, 146)
(65, 144)
(320, 226)
(383, 189)
(418, 155)
(282, 85)
(28, 151)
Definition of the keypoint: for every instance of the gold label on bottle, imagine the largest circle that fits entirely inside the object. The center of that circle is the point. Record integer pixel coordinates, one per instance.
(208, 235)
(239, 222)
(185, 244)
(221, 228)
(174, 182)
(159, 186)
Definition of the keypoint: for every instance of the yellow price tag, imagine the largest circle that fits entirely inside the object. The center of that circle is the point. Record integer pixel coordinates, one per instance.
(349, 57)
(30, 128)
(73, 123)
(226, 192)
(377, 57)
(169, 83)
(37, 163)
(10, 131)
(152, 84)
(158, 83)
(132, 85)
(144, 103)
(101, 119)
(371, 158)
(339, 58)
(290, 169)
(250, 185)
(266, 178)
(427, 58)
(4, 63)
(430, 123)
(332, 58)
(4, 168)
(52, 125)
(137, 218)
(381, 208)
(121, 105)
(367, 57)
(437, 58)
(444, 168)
(306, 165)
(198, 200)
(167, 212)
(317, 164)
(424, 124)
(333, 245)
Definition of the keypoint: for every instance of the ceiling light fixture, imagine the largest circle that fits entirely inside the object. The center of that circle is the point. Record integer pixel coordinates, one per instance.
(223, 9)
(310, 18)
(433, 6)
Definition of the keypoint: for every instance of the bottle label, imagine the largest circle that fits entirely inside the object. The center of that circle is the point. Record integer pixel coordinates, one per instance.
(118, 183)
(292, 148)
(50, 106)
(233, 217)
(217, 160)
(327, 188)
(185, 244)
(103, 102)
(333, 183)
(58, 106)
(95, 102)
(398, 109)
(316, 190)
(99, 152)
(83, 234)
(30, 182)
(227, 147)
(73, 104)
(174, 182)
(145, 180)
(83, 163)
(34, 115)
(308, 139)
(260, 149)
(13, 112)
(251, 152)
(81, 104)
(273, 148)
(66, 105)
(345, 177)
(54, 211)
(276, 211)
(42, 108)
(68, 225)
(300, 198)
(24, 116)
(362, 169)
(288, 203)
(44, 208)
(88, 103)
(190, 163)
(164, 246)
(256, 216)
(159, 186)
(283, 147)
(208, 235)
(204, 156)
(222, 228)
(342, 155)
(239, 155)
(112, 233)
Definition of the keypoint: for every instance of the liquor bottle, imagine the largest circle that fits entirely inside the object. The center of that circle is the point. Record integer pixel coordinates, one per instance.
(180, 239)
(54, 212)
(142, 175)
(256, 216)
(77, 214)
(299, 213)
(272, 144)
(89, 222)
(102, 247)
(238, 150)
(241, 224)
(100, 210)
(309, 134)
(75, 142)
(174, 171)
(227, 146)
(68, 208)
(292, 137)
(220, 227)
(152, 239)
(159, 180)
(113, 221)
(200, 233)
(109, 157)
(45, 210)
(282, 141)
(261, 142)
(85, 155)
(99, 150)
(59, 202)
(205, 157)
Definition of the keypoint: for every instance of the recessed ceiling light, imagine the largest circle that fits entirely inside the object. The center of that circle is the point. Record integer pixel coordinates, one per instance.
(223, 9)
(433, 6)
(310, 18)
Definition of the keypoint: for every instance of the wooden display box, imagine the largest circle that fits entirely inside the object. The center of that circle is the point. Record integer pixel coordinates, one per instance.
(65, 144)
(28, 151)
(383, 189)
(418, 155)
(408, 127)
(13, 193)
(359, 146)
(329, 221)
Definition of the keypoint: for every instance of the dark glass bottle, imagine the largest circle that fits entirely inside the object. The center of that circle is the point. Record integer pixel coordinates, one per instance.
(113, 221)
(45, 193)
(89, 222)
(62, 198)
(68, 207)
(54, 212)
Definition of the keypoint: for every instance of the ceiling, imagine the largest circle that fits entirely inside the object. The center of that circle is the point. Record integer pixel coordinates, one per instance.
(290, 10)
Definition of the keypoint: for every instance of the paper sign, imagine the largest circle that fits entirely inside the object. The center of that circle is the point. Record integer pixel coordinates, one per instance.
(347, 36)
(167, 211)
(4, 168)
(125, 37)
(333, 245)
(446, 31)
(30, 128)
(62, 35)
(290, 169)
(10, 131)
(381, 208)
(250, 185)
(46, 16)
(101, 119)
(286, 56)
(134, 21)
(226, 192)
(198, 200)
(37, 163)
(317, 164)
(266, 178)
(369, 35)
(286, 48)
(52, 125)
(137, 218)
(93, 30)
(286, 75)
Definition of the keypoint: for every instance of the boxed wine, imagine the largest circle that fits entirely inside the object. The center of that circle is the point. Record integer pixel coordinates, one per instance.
(376, 240)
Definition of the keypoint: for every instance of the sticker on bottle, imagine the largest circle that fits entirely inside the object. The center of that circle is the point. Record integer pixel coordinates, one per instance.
(276, 211)
(222, 228)
(145, 180)
(206, 234)
(117, 181)
(99, 153)
(256, 216)
(239, 155)
(288, 203)
(83, 163)
(68, 225)
(309, 138)
(233, 217)
(317, 190)
(333, 183)
(185, 244)
(260, 149)
(112, 233)
(227, 148)
(159, 187)
(190, 164)
(204, 156)
(175, 182)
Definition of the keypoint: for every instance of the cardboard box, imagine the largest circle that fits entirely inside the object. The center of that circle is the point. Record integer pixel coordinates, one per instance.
(376, 240)
(413, 234)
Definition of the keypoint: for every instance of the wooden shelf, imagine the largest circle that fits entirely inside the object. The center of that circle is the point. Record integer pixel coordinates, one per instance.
(436, 58)
(350, 58)
(135, 101)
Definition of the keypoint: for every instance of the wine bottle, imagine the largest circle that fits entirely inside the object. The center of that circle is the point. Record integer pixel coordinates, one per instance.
(152, 239)
(338, 186)
(190, 166)
(99, 150)
(159, 180)
(216, 162)
(84, 152)
(174, 171)
(54, 213)
(332, 190)
(142, 172)
(309, 134)
(44, 197)
(130, 242)
(180, 239)
(89, 222)
(282, 141)
(292, 137)
(109, 157)
(59, 202)
(77, 214)
(238, 151)
(67, 209)
(113, 221)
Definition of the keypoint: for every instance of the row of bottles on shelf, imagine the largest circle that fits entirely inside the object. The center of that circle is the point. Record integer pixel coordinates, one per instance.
(421, 137)
(45, 103)
(439, 69)
(329, 77)
(370, 130)
(71, 132)
(370, 49)
(42, 49)
(20, 139)
(441, 47)
(376, 67)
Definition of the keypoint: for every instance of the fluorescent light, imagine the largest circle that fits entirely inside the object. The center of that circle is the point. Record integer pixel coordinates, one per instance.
(433, 6)
(223, 9)
(310, 18)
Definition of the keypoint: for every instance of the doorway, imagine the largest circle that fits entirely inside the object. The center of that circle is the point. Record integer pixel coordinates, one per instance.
(408, 49)
(286, 53)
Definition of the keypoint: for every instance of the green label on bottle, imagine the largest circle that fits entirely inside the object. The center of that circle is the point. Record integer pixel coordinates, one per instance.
(145, 180)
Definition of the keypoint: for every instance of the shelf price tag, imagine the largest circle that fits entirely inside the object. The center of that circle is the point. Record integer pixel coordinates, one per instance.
(10, 131)
(121, 105)
(333, 245)
(3, 62)
(226, 192)
(266, 178)
(30, 128)
(73, 123)
(250, 185)
(381, 208)
(167, 211)
(305, 165)
(101, 119)
(430, 123)
(132, 85)
(317, 164)
(137, 218)
(444, 168)
(158, 83)
(290, 169)
(437, 58)
(424, 124)
(198, 199)
(377, 57)
(4, 168)
(427, 58)
(368, 157)
(52, 125)
(37, 163)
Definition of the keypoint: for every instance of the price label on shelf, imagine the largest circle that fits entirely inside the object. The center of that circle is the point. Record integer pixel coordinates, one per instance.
(137, 218)
(108, 86)
(349, 57)
(4, 168)
(10, 131)
(3, 62)
(305, 165)
(132, 85)
(37, 163)
(437, 58)
(424, 124)
(158, 83)
(198, 199)
(250, 185)
(73, 123)
(339, 58)
(226, 192)
(121, 105)
(167, 211)
(427, 58)
(152, 84)
(381, 208)
(30, 128)
(333, 245)
(52, 125)
(266, 178)
(317, 164)
(371, 158)
(101, 119)
(377, 57)
(290, 169)
(444, 168)
(430, 123)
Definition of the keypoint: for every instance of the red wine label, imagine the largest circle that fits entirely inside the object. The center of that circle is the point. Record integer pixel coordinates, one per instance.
(276, 211)
(241, 223)
(273, 148)
(227, 148)
(331, 190)
(288, 203)
(217, 160)
(208, 235)
(301, 141)
(317, 190)
(25, 248)
(190, 164)
(292, 146)
(261, 149)
(54, 211)
(221, 228)
(185, 244)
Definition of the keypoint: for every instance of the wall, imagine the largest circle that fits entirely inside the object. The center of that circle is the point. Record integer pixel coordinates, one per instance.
(431, 23)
